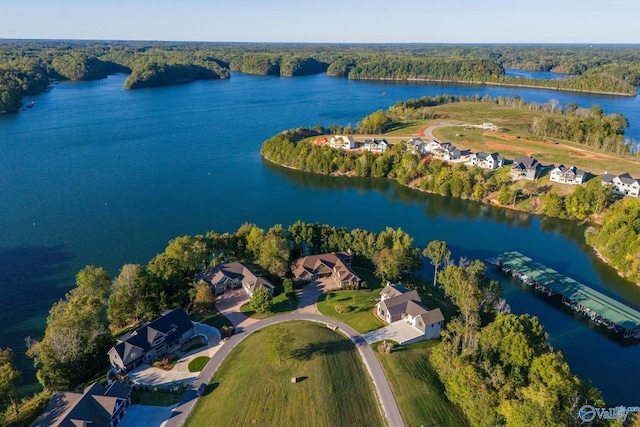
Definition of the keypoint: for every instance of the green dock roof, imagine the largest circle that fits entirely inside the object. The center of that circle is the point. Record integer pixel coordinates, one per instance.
(615, 311)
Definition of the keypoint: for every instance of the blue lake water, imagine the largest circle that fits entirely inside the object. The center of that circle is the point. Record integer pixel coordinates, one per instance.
(94, 174)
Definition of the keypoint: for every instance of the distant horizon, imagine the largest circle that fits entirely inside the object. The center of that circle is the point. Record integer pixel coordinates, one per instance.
(586, 44)
(332, 22)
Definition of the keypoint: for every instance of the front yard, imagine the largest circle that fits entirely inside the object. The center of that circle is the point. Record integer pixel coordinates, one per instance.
(354, 307)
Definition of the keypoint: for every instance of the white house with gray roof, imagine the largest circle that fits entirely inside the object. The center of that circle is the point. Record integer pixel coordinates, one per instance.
(398, 304)
(525, 168)
(487, 160)
(565, 175)
(624, 185)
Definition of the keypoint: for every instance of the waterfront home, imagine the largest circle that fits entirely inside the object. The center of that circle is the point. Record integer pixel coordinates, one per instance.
(487, 160)
(624, 185)
(376, 146)
(343, 142)
(450, 152)
(232, 275)
(525, 168)
(96, 406)
(398, 304)
(434, 146)
(565, 175)
(336, 265)
(417, 146)
(151, 340)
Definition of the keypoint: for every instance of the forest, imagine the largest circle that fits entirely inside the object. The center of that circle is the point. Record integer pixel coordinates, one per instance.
(28, 67)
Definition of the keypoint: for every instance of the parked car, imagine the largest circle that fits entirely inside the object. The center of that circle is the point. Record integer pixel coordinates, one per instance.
(201, 389)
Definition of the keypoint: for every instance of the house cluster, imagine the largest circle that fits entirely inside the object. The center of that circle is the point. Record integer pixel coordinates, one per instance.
(346, 142)
(398, 304)
(232, 275)
(151, 340)
(624, 185)
(336, 265)
(95, 406)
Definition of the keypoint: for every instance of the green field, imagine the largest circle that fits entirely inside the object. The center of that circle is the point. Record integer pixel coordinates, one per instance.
(417, 389)
(250, 389)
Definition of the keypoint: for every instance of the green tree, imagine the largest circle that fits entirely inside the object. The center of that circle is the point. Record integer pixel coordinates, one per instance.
(205, 299)
(261, 301)
(9, 380)
(76, 337)
(126, 304)
(438, 252)
(280, 344)
(289, 291)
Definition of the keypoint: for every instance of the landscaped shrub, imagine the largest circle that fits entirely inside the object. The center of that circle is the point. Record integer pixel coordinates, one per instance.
(342, 309)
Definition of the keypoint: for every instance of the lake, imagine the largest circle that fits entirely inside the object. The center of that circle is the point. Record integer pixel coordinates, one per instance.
(94, 174)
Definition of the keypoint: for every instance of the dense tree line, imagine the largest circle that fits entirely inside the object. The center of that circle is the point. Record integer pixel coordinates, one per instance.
(618, 240)
(498, 367)
(27, 66)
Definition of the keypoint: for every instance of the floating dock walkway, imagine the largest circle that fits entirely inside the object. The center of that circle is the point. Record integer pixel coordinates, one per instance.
(602, 309)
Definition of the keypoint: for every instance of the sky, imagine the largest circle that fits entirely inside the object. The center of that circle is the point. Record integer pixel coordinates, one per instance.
(327, 21)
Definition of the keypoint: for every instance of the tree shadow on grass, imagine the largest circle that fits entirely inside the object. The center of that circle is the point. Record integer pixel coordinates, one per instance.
(328, 347)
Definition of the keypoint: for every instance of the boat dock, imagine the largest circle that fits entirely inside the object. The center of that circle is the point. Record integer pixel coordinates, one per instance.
(600, 308)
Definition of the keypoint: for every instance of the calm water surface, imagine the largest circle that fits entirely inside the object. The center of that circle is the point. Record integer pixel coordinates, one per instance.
(94, 174)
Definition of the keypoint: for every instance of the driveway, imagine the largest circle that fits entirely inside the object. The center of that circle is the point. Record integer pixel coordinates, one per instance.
(148, 375)
(146, 416)
(229, 304)
(310, 294)
(400, 332)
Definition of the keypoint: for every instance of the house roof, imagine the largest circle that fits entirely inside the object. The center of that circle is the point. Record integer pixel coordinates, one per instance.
(172, 324)
(338, 262)
(627, 179)
(607, 177)
(96, 404)
(525, 163)
(392, 290)
(234, 271)
(432, 316)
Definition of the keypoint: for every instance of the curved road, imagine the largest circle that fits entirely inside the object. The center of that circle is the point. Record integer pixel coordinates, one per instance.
(385, 395)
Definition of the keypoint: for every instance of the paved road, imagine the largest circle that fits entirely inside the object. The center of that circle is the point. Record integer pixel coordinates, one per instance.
(428, 132)
(389, 405)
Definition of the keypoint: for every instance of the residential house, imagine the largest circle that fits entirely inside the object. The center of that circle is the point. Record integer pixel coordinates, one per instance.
(417, 146)
(525, 168)
(342, 142)
(96, 406)
(233, 275)
(434, 146)
(376, 146)
(565, 175)
(336, 265)
(398, 304)
(487, 160)
(451, 152)
(151, 340)
(624, 184)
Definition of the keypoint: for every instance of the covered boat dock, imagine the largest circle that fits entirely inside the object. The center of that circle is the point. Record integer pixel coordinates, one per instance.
(601, 308)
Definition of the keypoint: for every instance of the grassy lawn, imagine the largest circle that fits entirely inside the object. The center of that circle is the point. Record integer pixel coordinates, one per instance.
(212, 318)
(356, 305)
(418, 391)
(281, 304)
(157, 397)
(197, 364)
(250, 389)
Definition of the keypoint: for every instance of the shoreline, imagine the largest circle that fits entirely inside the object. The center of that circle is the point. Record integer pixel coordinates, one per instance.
(486, 83)
(489, 202)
